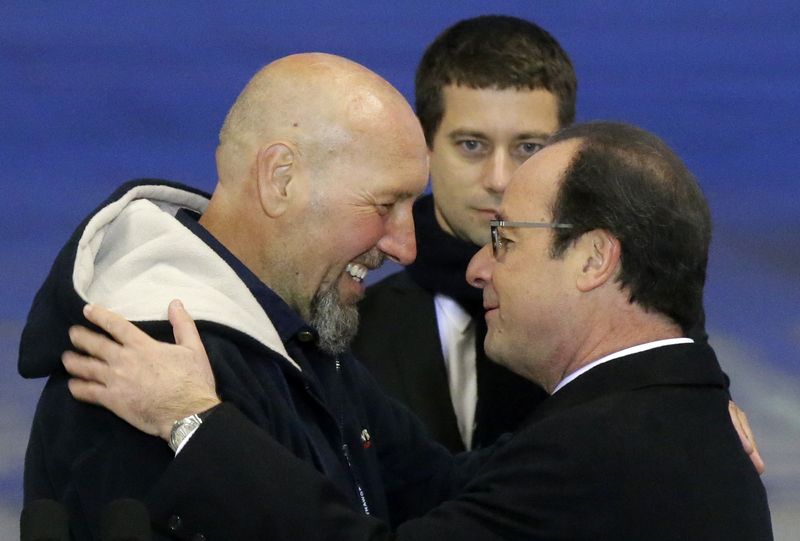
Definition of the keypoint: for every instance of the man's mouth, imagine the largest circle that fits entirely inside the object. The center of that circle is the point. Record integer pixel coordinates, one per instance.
(356, 271)
(489, 302)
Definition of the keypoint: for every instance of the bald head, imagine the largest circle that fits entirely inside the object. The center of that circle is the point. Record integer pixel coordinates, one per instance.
(319, 163)
(317, 103)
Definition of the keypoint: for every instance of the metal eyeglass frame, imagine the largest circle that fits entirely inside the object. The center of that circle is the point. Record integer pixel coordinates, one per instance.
(497, 243)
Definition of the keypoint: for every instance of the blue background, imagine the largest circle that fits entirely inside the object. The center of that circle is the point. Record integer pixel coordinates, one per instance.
(92, 94)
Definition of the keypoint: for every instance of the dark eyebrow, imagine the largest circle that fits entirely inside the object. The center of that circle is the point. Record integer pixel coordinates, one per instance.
(532, 135)
(475, 134)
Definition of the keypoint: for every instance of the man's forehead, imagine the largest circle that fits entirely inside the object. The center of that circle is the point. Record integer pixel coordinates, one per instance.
(530, 112)
(387, 163)
(398, 183)
(548, 164)
(533, 185)
(516, 203)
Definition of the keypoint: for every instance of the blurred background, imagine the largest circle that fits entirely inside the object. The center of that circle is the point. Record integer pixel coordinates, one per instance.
(92, 94)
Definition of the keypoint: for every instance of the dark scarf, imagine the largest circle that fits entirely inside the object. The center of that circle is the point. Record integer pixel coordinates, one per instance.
(442, 260)
(505, 399)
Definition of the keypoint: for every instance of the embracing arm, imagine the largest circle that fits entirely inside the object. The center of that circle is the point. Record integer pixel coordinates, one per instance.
(147, 383)
(231, 475)
(128, 375)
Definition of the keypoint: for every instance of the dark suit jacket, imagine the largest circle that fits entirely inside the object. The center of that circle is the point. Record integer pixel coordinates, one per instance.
(398, 341)
(638, 448)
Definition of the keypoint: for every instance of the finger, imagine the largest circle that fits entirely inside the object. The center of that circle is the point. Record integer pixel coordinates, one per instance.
(736, 419)
(758, 462)
(85, 367)
(87, 391)
(742, 426)
(753, 452)
(122, 330)
(95, 344)
(183, 327)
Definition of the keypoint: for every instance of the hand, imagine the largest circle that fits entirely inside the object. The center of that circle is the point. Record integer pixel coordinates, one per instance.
(742, 427)
(147, 383)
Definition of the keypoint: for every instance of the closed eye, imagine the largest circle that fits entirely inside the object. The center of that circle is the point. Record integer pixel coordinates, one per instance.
(384, 208)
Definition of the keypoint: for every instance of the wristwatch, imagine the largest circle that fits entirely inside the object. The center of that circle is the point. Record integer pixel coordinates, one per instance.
(182, 428)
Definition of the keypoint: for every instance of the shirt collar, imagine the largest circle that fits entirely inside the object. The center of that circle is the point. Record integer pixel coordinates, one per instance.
(455, 313)
(627, 351)
(286, 321)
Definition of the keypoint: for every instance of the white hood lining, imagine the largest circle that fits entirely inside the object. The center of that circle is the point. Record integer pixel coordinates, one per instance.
(134, 257)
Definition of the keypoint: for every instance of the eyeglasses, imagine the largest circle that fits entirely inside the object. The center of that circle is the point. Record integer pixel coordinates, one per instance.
(497, 238)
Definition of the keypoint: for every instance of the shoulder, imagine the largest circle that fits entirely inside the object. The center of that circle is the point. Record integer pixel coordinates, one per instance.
(73, 444)
(632, 435)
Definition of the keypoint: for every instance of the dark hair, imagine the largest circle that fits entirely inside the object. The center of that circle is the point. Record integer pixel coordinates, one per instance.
(493, 51)
(628, 182)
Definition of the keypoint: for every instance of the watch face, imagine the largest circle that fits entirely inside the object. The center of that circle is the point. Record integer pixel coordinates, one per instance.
(181, 429)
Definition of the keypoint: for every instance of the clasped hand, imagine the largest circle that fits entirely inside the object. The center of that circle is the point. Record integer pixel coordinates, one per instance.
(147, 383)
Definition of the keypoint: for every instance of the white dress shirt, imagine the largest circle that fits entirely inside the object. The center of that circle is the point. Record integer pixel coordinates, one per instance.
(457, 336)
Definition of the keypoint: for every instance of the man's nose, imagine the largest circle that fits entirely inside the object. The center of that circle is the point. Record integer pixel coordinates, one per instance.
(479, 271)
(399, 243)
(498, 172)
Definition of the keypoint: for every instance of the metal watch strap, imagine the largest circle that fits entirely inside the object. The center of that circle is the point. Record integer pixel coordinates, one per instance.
(183, 427)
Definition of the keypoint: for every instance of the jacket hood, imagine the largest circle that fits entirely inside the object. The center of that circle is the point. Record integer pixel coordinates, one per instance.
(133, 256)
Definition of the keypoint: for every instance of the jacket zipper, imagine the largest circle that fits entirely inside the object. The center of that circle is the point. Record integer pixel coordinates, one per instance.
(345, 447)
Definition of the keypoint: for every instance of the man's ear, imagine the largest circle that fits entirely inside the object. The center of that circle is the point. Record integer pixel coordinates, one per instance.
(275, 171)
(600, 253)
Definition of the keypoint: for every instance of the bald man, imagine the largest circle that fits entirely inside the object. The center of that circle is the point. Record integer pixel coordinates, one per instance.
(319, 161)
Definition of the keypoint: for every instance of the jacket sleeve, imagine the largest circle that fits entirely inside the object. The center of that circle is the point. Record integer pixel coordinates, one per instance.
(233, 481)
(85, 457)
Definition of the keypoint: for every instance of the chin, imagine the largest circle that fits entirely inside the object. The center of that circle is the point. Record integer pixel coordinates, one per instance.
(492, 351)
(506, 363)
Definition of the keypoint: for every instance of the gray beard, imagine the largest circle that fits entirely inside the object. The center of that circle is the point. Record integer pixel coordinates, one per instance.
(337, 324)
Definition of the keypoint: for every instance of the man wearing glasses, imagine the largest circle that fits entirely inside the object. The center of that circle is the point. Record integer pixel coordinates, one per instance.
(594, 275)
(488, 92)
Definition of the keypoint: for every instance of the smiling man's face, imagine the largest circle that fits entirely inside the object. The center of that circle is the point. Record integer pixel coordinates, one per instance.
(359, 214)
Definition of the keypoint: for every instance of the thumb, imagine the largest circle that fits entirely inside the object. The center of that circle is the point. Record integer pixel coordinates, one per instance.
(183, 327)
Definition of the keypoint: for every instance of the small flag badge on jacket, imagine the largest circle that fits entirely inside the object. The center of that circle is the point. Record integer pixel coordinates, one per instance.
(366, 440)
